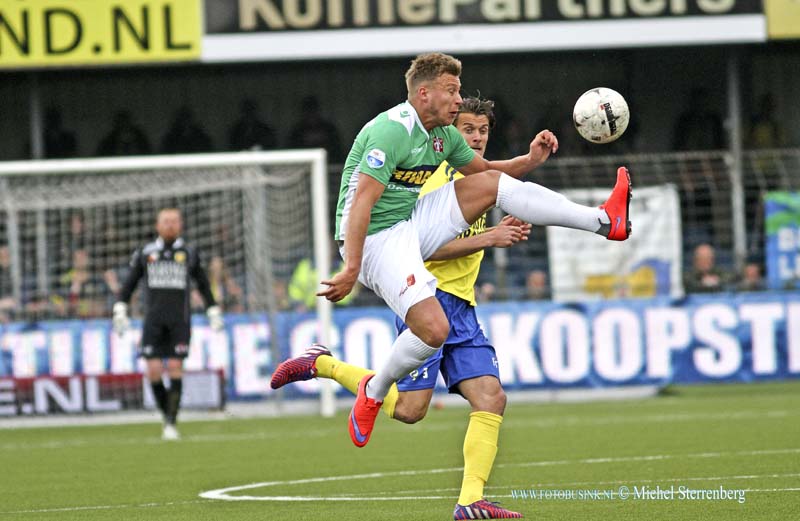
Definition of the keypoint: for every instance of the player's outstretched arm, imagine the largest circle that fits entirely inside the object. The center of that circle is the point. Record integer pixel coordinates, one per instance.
(544, 144)
(368, 191)
(507, 233)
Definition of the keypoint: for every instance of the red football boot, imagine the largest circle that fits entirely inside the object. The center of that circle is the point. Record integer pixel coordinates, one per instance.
(617, 206)
(362, 416)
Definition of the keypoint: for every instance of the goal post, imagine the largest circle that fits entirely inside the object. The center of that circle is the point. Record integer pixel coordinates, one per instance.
(322, 257)
(255, 214)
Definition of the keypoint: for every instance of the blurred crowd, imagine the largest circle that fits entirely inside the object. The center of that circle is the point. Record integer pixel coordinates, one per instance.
(698, 127)
(84, 285)
(186, 134)
(86, 288)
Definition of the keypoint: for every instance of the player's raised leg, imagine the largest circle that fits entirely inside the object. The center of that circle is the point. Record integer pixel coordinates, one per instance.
(318, 362)
(541, 206)
(300, 368)
(428, 329)
(416, 388)
(407, 401)
(412, 406)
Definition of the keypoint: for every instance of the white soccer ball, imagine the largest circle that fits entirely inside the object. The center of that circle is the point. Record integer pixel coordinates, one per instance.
(601, 115)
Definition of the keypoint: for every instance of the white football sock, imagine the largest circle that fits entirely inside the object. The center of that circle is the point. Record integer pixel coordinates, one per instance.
(408, 353)
(540, 206)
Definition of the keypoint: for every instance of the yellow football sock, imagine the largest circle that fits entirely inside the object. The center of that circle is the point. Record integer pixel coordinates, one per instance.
(480, 448)
(348, 377)
(325, 365)
(390, 401)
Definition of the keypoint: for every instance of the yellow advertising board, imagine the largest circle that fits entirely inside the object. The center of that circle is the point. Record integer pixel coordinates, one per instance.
(783, 18)
(57, 33)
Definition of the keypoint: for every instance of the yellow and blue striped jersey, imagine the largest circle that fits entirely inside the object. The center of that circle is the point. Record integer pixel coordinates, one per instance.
(455, 276)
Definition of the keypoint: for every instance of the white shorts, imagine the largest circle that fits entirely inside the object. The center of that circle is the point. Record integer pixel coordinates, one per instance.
(393, 263)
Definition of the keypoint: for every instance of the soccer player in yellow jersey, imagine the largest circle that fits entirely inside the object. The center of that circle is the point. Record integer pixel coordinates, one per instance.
(467, 360)
(386, 231)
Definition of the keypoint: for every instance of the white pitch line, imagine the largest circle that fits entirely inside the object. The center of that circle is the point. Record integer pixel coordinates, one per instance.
(584, 483)
(788, 489)
(293, 498)
(384, 498)
(286, 499)
(655, 457)
(223, 493)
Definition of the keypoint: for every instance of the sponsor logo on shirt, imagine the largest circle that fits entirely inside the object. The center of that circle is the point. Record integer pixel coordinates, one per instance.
(477, 228)
(376, 158)
(414, 176)
(450, 172)
(166, 275)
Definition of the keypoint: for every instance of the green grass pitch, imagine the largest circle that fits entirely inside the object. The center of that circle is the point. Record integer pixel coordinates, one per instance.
(738, 437)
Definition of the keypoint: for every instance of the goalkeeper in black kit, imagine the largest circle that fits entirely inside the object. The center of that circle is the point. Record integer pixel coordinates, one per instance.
(167, 265)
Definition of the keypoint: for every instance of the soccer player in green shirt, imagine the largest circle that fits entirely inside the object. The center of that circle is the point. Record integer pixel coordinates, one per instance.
(386, 231)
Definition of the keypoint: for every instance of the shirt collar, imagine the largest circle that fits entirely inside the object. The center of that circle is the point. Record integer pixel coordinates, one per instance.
(177, 244)
(413, 111)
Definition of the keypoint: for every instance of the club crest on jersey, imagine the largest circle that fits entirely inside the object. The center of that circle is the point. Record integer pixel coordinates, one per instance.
(376, 158)
(438, 144)
(180, 257)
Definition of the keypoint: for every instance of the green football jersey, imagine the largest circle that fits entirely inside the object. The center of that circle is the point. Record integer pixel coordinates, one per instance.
(395, 149)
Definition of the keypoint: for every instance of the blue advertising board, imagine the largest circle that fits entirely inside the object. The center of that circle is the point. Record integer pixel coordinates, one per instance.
(540, 345)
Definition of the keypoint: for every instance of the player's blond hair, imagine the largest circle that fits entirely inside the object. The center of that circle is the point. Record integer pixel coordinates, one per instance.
(428, 67)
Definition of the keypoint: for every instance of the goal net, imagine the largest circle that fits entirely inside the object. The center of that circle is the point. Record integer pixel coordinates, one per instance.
(69, 228)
